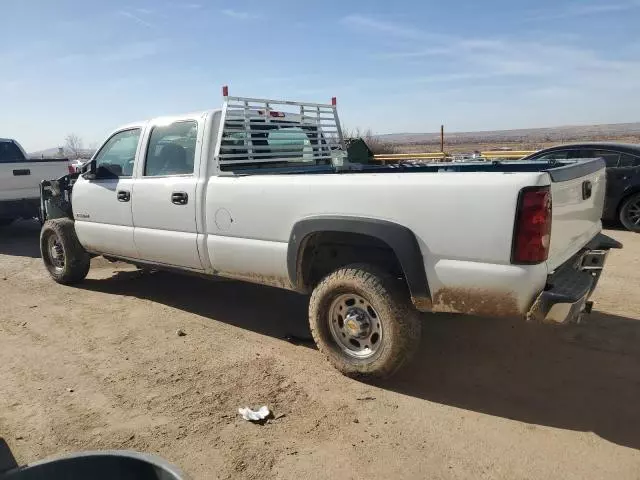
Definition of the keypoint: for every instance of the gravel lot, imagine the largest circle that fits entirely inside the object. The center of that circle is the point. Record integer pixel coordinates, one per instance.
(101, 366)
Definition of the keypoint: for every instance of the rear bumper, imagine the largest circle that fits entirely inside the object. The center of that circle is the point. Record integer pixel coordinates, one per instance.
(566, 295)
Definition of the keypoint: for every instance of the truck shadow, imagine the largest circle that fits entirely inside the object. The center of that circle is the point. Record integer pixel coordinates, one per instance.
(268, 311)
(584, 378)
(21, 239)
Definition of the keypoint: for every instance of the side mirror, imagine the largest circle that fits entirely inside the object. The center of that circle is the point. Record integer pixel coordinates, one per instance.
(89, 170)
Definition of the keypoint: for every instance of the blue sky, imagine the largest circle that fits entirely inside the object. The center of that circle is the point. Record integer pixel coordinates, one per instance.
(395, 66)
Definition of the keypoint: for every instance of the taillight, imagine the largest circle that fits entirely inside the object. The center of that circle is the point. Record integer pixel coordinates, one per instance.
(533, 226)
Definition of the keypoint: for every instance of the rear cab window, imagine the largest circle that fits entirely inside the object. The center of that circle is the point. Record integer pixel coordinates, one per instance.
(627, 160)
(558, 155)
(610, 158)
(10, 153)
(275, 144)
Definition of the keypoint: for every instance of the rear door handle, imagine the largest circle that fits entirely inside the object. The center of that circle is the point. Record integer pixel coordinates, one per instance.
(179, 198)
(587, 188)
(21, 172)
(124, 195)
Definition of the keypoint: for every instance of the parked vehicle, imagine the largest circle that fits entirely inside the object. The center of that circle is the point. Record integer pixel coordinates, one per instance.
(256, 193)
(20, 179)
(622, 200)
(96, 465)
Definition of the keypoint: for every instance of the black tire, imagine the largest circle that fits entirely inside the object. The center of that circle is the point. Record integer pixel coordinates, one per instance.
(400, 321)
(70, 262)
(630, 213)
(4, 222)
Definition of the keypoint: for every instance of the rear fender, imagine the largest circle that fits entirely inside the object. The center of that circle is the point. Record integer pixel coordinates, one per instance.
(399, 238)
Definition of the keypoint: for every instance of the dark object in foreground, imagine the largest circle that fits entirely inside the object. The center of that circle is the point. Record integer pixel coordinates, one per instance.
(96, 465)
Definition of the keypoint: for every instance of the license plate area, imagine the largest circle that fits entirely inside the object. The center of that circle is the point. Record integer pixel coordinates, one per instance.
(593, 260)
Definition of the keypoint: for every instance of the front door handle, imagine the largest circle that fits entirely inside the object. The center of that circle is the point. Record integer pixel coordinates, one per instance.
(124, 195)
(21, 172)
(179, 198)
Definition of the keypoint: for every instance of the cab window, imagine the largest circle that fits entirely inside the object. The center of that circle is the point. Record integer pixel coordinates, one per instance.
(557, 155)
(627, 160)
(610, 158)
(292, 141)
(116, 158)
(171, 149)
(10, 153)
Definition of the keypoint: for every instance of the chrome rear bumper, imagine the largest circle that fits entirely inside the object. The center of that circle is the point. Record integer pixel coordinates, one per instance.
(566, 297)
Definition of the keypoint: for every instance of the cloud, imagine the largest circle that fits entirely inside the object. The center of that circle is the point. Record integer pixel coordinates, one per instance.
(238, 15)
(479, 61)
(427, 52)
(131, 52)
(583, 10)
(122, 53)
(364, 22)
(135, 18)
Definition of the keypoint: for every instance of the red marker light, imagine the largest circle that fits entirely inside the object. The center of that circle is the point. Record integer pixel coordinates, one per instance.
(334, 101)
(225, 91)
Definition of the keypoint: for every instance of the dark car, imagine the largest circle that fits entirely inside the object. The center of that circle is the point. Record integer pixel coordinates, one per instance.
(622, 201)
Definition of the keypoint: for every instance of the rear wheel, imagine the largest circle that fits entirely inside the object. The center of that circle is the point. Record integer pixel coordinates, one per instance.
(63, 256)
(362, 320)
(630, 213)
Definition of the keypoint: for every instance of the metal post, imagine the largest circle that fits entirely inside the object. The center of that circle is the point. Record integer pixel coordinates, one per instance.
(441, 138)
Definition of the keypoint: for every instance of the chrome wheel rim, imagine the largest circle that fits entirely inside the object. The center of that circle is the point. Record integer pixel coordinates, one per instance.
(56, 253)
(355, 326)
(633, 212)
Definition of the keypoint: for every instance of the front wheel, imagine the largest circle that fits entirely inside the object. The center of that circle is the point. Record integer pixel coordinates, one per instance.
(63, 256)
(630, 213)
(362, 320)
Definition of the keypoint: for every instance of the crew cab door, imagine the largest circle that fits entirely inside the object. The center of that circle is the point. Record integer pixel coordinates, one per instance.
(102, 206)
(164, 194)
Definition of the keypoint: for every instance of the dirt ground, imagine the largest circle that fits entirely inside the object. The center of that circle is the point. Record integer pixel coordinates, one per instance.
(101, 366)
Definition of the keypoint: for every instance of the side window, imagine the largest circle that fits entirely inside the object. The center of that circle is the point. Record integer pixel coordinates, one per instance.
(555, 155)
(9, 153)
(116, 157)
(627, 160)
(171, 149)
(292, 141)
(611, 158)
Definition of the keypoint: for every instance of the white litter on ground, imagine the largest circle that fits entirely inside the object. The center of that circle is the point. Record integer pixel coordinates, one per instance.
(254, 415)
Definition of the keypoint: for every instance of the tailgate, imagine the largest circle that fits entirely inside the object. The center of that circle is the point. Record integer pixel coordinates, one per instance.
(577, 195)
(21, 180)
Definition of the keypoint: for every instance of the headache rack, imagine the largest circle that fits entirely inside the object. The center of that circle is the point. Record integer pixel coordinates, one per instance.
(261, 133)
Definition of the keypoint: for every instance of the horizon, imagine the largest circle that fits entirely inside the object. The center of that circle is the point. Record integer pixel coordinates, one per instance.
(88, 68)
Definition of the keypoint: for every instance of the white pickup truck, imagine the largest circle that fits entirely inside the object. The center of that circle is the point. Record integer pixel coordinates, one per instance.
(258, 192)
(20, 179)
